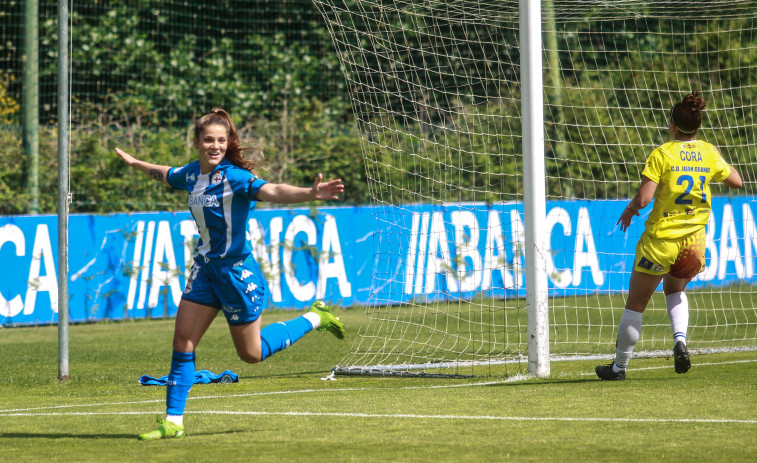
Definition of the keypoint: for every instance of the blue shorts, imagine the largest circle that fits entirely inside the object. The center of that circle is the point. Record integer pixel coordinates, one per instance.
(235, 286)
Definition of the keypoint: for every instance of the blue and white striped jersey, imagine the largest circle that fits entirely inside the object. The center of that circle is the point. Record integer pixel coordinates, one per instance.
(220, 203)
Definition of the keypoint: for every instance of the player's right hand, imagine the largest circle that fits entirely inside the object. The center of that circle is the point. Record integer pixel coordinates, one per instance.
(128, 158)
(626, 217)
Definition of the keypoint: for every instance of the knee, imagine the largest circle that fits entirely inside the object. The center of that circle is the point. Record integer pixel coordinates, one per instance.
(636, 307)
(250, 357)
(182, 344)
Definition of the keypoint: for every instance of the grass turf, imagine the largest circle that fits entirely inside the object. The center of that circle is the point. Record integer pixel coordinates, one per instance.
(282, 410)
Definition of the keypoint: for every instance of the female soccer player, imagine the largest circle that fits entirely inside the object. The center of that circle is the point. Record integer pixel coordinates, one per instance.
(225, 276)
(671, 249)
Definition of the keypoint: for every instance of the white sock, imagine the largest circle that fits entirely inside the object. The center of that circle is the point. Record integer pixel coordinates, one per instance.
(678, 311)
(629, 330)
(313, 318)
(175, 419)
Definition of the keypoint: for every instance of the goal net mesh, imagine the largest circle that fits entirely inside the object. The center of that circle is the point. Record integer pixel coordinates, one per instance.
(436, 93)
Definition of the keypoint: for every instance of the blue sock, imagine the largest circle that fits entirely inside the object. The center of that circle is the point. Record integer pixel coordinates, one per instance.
(180, 381)
(279, 336)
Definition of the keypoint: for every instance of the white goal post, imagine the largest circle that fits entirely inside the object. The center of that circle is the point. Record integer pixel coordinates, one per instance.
(473, 234)
(534, 190)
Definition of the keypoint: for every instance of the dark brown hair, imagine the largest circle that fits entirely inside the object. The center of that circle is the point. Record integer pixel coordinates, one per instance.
(687, 115)
(234, 149)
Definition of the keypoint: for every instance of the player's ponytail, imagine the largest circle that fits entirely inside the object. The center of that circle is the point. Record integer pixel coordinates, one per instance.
(234, 149)
(687, 115)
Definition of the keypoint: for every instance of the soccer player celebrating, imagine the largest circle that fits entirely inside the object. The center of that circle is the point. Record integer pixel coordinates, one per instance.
(671, 249)
(225, 276)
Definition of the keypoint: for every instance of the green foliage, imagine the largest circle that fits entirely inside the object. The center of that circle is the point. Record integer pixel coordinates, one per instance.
(296, 144)
(471, 157)
(9, 107)
(143, 71)
(307, 139)
(186, 65)
(14, 195)
(14, 199)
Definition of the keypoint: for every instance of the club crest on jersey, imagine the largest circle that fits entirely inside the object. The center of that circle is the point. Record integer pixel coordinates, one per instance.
(216, 179)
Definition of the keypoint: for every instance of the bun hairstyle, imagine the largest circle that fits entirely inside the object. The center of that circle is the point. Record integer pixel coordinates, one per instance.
(687, 115)
(234, 149)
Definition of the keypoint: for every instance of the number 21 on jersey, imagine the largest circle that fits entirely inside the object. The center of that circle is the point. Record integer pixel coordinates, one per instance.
(685, 197)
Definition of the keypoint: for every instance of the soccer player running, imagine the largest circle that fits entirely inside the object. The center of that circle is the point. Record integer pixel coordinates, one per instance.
(225, 276)
(671, 249)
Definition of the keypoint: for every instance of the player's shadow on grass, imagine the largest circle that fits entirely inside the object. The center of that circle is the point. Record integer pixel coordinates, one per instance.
(62, 435)
(545, 381)
(68, 435)
(583, 380)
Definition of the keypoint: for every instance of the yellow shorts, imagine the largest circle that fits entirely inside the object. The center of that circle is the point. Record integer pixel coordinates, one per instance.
(681, 257)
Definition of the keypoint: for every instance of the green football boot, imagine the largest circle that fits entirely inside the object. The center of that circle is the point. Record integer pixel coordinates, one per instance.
(329, 322)
(166, 430)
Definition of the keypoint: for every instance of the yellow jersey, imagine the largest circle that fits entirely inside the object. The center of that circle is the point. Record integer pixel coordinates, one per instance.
(683, 171)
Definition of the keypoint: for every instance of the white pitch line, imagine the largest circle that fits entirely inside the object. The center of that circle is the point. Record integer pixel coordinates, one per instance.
(258, 394)
(100, 404)
(419, 416)
(516, 378)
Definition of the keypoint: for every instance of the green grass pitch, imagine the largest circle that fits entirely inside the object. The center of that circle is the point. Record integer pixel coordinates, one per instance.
(282, 409)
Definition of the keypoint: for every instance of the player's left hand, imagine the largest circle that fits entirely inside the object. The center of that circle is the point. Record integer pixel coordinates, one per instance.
(327, 190)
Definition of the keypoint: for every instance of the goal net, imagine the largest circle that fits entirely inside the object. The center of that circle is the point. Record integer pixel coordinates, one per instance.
(435, 88)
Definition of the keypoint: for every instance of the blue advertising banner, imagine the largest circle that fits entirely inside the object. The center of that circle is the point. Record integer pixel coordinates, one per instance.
(134, 265)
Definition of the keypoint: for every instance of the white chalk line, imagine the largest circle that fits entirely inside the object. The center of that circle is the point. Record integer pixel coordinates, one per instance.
(212, 397)
(38, 411)
(259, 394)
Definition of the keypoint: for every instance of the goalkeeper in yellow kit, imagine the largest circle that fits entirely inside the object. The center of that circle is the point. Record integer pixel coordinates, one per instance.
(671, 249)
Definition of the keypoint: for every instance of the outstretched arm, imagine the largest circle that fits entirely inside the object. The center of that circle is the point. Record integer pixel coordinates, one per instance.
(154, 171)
(642, 199)
(287, 194)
